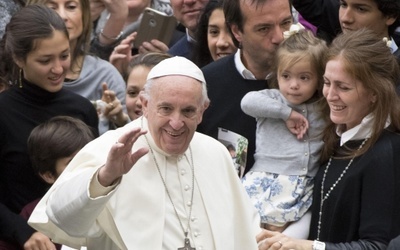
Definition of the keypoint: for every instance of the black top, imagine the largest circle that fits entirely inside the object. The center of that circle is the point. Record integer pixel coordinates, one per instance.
(226, 88)
(363, 209)
(22, 109)
(322, 14)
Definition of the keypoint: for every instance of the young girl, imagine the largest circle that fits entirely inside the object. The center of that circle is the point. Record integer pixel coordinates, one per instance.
(288, 136)
(138, 70)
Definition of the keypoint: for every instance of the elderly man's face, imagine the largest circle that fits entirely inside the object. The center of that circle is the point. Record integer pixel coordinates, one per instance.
(173, 111)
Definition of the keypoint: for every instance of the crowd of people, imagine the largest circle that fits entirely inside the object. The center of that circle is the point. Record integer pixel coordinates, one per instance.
(108, 144)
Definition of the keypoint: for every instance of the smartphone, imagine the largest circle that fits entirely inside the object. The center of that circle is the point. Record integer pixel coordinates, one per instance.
(155, 25)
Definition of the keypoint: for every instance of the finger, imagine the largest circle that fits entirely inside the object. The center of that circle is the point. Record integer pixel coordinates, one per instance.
(115, 57)
(130, 135)
(306, 124)
(126, 141)
(113, 111)
(142, 50)
(136, 135)
(104, 86)
(50, 245)
(129, 39)
(139, 154)
(160, 46)
(121, 47)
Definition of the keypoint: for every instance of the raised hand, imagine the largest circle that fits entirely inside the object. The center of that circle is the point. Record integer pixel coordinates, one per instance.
(120, 159)
(113, 110)
(122, 54)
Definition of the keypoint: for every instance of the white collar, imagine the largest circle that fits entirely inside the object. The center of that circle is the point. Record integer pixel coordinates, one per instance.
(359, 132)
(189, 38)
(393, 46)
(246, 74)
(243, 71)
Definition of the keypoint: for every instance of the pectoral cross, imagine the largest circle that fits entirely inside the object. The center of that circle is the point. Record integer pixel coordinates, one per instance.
(187, 245)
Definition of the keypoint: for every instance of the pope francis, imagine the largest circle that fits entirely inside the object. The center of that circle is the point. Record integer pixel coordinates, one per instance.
(154, 183)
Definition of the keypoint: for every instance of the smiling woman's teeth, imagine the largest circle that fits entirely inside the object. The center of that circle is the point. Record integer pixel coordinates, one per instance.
(338, 108)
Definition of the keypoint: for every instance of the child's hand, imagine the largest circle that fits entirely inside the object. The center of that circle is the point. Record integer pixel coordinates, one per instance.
(39, 241)
(297, 124)
(113, 111)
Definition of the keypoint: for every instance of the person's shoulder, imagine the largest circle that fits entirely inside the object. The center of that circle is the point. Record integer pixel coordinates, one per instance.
(96, 63)
(74, 97)
(394, 243)
(217, 65)
(387, 143)
(182, 47)
(95, 66)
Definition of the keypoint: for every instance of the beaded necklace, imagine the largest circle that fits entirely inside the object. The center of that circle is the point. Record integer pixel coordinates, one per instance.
(324, 198)
(185, 232)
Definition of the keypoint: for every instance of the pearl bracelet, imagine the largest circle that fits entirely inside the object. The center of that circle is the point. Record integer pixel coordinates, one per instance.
(318, 245)
(111, 38)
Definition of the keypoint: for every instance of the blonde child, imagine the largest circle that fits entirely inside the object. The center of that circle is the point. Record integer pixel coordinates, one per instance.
(288, 135)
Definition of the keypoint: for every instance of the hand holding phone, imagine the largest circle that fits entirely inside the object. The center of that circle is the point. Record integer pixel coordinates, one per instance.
(155, 25)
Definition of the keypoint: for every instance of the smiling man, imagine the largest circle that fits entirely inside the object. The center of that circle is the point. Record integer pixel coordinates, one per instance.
(333, 16)
(155, 183)
(188, 13)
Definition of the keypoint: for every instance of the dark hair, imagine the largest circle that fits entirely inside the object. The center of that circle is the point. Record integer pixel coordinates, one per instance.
(83, 41)
(20, 3)
(59, 137)
(201, 53)
(390, 8)
(368, 59)
(26, 26)
(234, 15)
(148, 60)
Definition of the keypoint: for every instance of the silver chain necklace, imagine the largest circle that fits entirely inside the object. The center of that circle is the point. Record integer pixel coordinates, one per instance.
(323, 199)
(186, 241)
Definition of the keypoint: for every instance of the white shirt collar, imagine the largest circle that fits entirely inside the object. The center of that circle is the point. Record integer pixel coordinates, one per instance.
(246, 74)
(359, 132)
(243, 71)
(189, 38)
(393, 46)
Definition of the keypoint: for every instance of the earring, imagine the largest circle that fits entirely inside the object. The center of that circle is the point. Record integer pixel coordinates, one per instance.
(20, 78)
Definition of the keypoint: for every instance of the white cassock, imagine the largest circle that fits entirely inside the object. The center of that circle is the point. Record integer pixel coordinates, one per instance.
(136, 213)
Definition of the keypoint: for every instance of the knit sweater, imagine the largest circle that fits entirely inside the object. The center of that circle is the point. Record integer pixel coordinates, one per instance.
(362, 209)
(277, 149)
